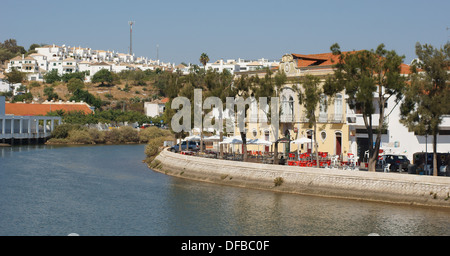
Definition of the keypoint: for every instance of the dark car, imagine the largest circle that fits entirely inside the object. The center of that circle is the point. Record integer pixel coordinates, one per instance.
(397, 162)
(192, 146)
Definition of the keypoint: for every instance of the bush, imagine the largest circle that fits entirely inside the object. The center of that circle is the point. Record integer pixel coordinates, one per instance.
(80, 136)
(96, 135)
(123, 134)
(278, 181)
(34, 84)
(129, 134)
(62, 131)
(154, 146)
(152, 132)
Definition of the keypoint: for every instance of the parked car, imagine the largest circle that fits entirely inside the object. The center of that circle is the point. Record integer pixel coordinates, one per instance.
(193, 145)
(397, 162)
(145, 126)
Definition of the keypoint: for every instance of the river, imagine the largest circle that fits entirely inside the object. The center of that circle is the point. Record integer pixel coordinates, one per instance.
(106, 190)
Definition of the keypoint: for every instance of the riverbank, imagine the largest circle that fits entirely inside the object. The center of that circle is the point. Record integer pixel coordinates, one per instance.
(70, 134)
(359, 185)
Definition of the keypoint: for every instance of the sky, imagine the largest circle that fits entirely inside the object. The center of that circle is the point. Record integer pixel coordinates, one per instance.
(180, 31)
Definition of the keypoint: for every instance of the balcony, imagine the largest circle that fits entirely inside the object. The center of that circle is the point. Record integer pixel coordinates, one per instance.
(304, 119)
(323, 118)
(336, 118)
(287, 118)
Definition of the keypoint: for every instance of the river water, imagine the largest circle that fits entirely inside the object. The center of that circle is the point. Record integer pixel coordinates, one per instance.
(107, 190)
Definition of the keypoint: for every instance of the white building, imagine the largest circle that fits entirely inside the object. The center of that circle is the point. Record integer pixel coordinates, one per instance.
(95, 67)
(396, 139)
(241, 65)
(28, 65)
(69, 65)
(55, 64)
(50, 51)
(155, 108)
(220, 66)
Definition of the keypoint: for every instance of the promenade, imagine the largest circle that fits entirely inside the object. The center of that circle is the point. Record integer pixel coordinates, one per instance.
(360, 185)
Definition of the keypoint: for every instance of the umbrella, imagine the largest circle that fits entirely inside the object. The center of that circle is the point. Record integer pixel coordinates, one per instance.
(193, 138)
(302, 140)
(232, 140)
(260, 142)
(214, 138)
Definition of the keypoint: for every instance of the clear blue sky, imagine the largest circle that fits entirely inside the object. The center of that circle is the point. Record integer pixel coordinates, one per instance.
(228, 29)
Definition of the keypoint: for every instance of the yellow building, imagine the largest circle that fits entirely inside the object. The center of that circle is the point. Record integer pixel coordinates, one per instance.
(333, 133)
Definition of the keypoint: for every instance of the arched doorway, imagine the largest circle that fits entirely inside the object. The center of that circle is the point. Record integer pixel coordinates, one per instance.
(338, 143)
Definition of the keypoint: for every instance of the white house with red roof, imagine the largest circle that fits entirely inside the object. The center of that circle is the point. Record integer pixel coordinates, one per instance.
(156, 107)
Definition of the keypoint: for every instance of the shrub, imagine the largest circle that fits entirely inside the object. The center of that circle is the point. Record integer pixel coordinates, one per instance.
(122, 135)
(80, 136)
(96, 136)
(112, 136)
(129, 134)
(278, 181)
(34, 84)
(62, 131)
(152, 132)
(154, 146)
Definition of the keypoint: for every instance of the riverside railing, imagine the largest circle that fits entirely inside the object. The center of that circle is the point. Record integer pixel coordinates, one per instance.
(27, 127)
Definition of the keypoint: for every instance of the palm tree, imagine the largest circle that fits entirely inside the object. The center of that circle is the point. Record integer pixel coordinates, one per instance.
(204, 59)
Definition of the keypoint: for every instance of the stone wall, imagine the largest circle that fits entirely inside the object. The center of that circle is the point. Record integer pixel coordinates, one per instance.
(361, 185)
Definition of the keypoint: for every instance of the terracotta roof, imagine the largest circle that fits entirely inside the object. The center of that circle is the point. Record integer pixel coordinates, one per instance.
(321, 59)
(328, 59)
(100, 64)
(405, 69)
(28, 109)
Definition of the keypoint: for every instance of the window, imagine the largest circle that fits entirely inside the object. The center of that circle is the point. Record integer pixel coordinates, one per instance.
(323, 135)
(291, 105)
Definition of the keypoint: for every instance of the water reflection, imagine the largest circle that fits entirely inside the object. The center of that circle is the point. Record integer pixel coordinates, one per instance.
(207, 209)
(107, 190)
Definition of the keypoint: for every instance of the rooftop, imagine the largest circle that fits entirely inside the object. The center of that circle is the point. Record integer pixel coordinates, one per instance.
(36, 109)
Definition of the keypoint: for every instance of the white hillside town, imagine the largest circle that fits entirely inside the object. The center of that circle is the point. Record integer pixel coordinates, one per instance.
(67, 59)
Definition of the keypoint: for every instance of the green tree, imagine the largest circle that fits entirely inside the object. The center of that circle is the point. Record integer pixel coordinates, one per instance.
(15, 76)
(9, 49)
(49, 92)
(370, 79)
(84, 95)
(78, 75)
(74, 84)
(52, 77)
(32, 48)
(103, 76)
(427, 99)
(5, 55)
(310, 97)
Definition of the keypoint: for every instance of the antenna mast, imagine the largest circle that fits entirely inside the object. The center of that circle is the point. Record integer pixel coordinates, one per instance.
(131, 36)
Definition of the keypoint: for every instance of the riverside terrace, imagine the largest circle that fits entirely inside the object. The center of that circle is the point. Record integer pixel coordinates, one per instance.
(233, 152)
